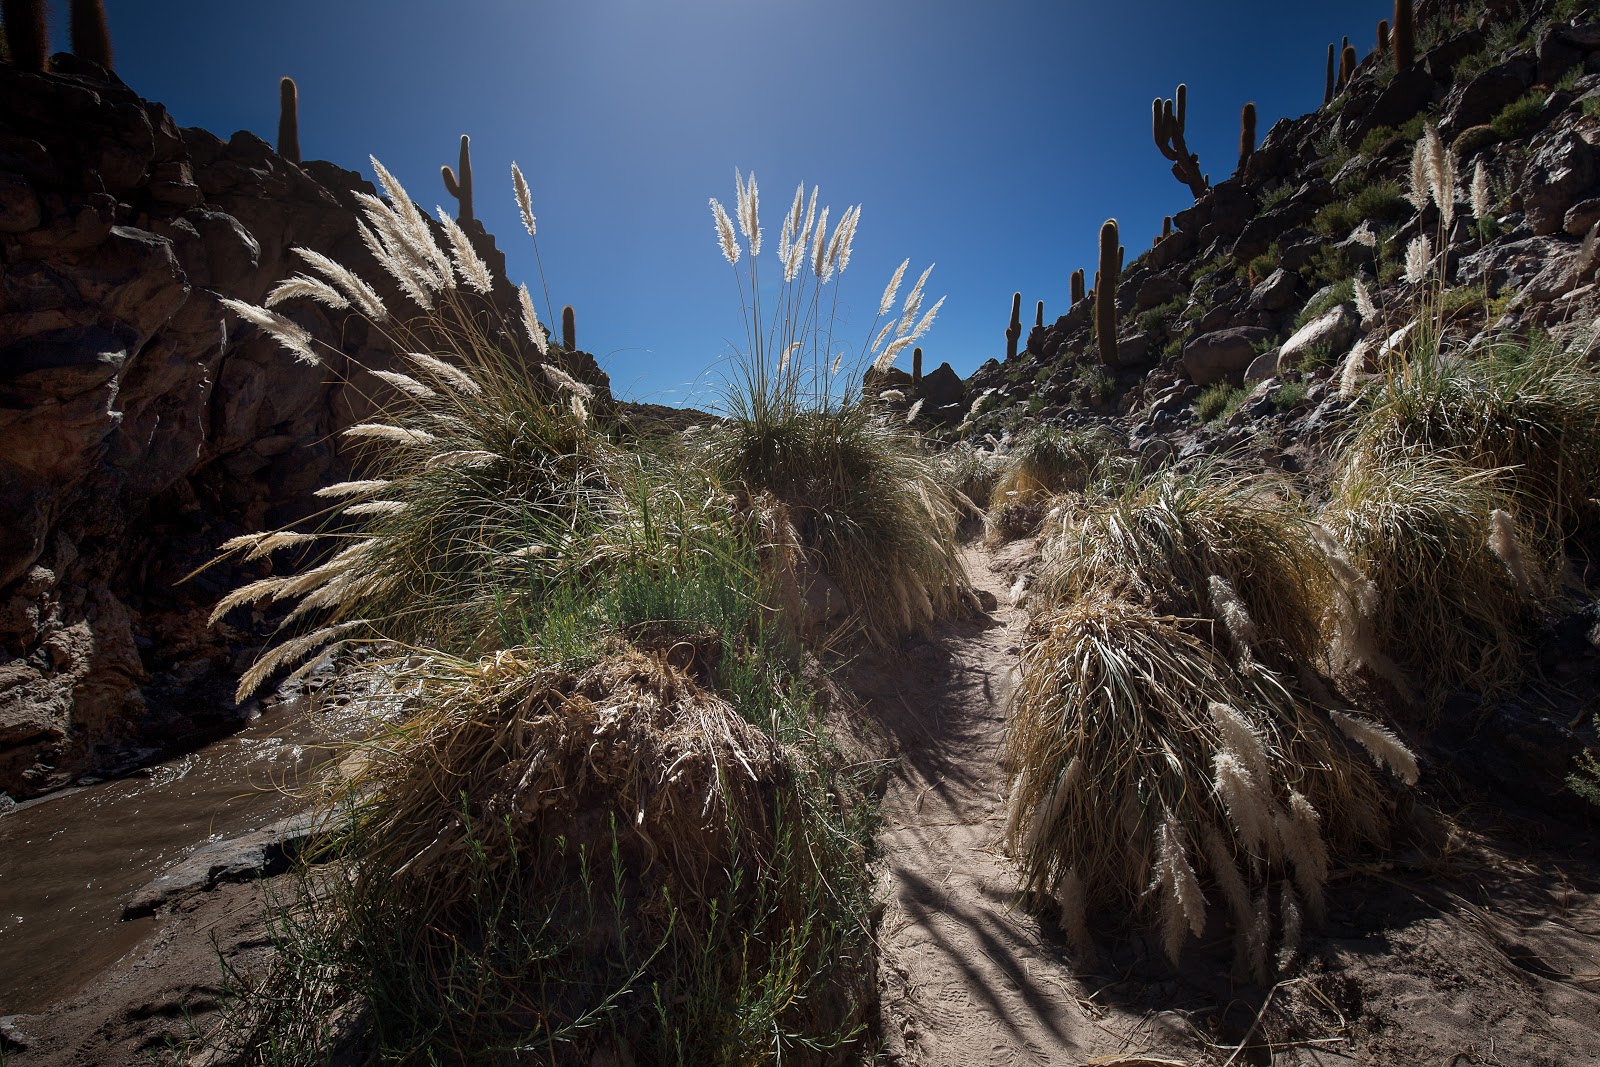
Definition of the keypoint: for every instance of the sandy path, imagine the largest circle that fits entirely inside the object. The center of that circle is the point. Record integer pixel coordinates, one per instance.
(968, 978)
(1404, 973)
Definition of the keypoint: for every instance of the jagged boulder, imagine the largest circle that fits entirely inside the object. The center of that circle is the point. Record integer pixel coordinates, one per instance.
(1223, 354)
(1331, 332)
(1275, 293)
(1483, 97)
(1561, 171)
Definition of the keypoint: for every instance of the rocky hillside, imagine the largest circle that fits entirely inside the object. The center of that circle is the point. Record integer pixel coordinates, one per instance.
(1236, 321)
(141, 425)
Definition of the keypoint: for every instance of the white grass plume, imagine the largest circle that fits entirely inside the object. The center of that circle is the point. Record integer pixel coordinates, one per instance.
(1300, 832)
(353, 488)
(749, 211)
(1503, 542)
(911, 416)
(446, 373)
(1364, 304)
(1240, 740)
(890, 291)
(1245, 800)
(1480, 191)
(849, 238)
(1419, 256)
(725, 235)
(562, 380)
(473, 270)
(376, 507)
(302, 287)
(293, 337)
(405, 383)
(524, 200)
(1355, 365)
(531, 324)
(354, 288)
(1381, 744)
(1232, 612)
(1441, 173)
(819, 245)
(1225, 870)
(1183, 907)
(287, 652)
(253, 593)
(913, 304)
(272, 542)
(383, 432)
(465, 458)
(417, 230)
(1417, 194)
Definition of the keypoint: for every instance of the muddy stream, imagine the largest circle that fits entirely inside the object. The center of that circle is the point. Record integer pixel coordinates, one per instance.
(70, 860)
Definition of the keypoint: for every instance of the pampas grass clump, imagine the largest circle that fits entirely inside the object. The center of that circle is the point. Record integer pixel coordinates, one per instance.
(1048, 460)
(1529, 409)
(1455, 586)
(1155, 772)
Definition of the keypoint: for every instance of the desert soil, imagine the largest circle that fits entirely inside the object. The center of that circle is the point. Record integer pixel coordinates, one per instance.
(1483, 948)
(1480, 948)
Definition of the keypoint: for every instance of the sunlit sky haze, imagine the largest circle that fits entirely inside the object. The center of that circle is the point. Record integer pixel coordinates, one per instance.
(991, 139)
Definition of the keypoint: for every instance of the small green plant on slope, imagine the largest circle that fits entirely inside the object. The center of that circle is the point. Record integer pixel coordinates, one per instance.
(862, 491)
(1520, 117)
(1217, 401)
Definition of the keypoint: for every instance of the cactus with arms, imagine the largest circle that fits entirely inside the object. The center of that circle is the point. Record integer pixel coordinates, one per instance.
(1167, 125)
(459, 184)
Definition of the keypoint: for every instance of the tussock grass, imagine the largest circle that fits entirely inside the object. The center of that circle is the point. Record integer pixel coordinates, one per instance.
(1456, 586)
(1527, 408)
(1163, 538)
(1045, 463)
(970, 471)
(1149, 762)
(1171, 729)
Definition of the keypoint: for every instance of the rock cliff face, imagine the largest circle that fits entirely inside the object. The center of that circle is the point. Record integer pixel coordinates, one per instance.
(1254, 284)
(139, 425)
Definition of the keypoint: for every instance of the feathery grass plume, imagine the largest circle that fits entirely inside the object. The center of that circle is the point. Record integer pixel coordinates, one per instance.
(791, 225)
(1419, 257)
(819, 247)
(1183, 906)
(749, 203)
(1289, 914)
(376, 507)
(442, 372)
(911, 415)
(1125, 691)
(252, 593)
(1300, 833)
(363, 296)
(289, 120)
(1354, 368)
(725, 235)
(1240, 740)
(1386, 749)
(1504, 544)
(302, 287)
(293, 337)
(473, 270)
(397, 434)
(524, 200)
(1441, 174)
(1418, 192)
(1364, 304)
(466, 457)
(1480, 191)
(289, 652)
(418, 234)
(1224, 869)
(91, 39)
(849, 238)
(1445, 609)
(531, 324)
(562, 380)
(405, 383)
(1230, 610)
(358, 487)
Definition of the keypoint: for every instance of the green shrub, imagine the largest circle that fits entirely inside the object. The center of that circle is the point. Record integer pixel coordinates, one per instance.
(1289, 395)
(1339, 293)
(1217, 401)
(1520, 117)
(1278, 196)
(1156, 318)
(1376, 140)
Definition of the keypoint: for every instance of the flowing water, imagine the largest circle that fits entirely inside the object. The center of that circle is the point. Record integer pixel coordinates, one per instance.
(69, 860)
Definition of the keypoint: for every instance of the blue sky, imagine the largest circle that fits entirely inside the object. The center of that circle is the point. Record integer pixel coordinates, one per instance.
(992, 139)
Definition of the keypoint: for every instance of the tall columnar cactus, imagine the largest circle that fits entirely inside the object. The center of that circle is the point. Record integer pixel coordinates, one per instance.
(1077, 286)
(289, 120)
(1166, 227)
(91, 39)
(1405, 42)
(1167, 125)
(1014, 329)
(1247, 134)
(569, 329)
(1383, 37)
(460, 185)
(1038, 316)
(1327, 93)
(27, 34)
(1347, 64)
(1105, 293)
(916, 366)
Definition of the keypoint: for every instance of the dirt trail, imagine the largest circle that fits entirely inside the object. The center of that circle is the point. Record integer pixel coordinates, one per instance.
(968, 977)
(1407, 971)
